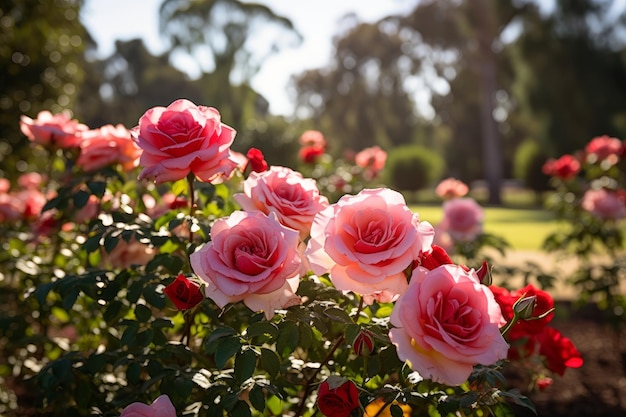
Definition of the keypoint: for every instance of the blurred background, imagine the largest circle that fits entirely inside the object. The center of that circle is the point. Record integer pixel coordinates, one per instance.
(493, 87)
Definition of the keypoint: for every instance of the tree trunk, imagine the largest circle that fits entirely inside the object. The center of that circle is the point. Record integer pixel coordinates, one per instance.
(487, 74)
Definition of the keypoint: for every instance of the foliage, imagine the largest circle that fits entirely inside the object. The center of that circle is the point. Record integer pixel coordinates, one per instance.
(413, 167)
(89, 328)
(527, 166)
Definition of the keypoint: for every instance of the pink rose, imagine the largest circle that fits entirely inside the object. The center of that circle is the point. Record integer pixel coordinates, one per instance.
(451, 188)
(30, 180)
(295, 200)
(371, 160)
(181, 139)
(313, 138)
(252, 258)
(367, 241)
(604, 204)
(126, 254)
(106, 146)
(33, 201)
(604, 148)
(48, 129)
(11, 208)
(5, 185)
(447, 322)
(462, 219)
(161, 407)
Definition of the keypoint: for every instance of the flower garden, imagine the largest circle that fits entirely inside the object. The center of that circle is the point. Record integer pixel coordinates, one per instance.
(153, 271)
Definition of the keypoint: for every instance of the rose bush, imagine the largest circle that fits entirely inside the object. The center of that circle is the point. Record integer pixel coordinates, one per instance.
(201, 285)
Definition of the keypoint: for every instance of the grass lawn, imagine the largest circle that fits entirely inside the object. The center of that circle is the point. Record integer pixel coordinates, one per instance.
(524, 229)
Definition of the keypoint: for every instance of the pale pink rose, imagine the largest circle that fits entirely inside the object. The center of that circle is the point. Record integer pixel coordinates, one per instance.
(366, 242)
(11, 208)
(5, 185)
(462, 219)
(451, 188)
(313, 138)
(251, 257)
(371, 160)
(295, 200)
(604, 148)
(447, 322)
(181, 139)
(89, 211)
(30, 180)
(106, 146)
(48, 129)
(604, 204)
(132, 253)
(33, 201)
(161, 407)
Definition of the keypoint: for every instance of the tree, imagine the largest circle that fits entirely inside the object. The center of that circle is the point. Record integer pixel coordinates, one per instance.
(42, 47)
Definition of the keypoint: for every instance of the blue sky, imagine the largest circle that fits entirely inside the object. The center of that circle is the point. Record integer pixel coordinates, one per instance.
(109, 20)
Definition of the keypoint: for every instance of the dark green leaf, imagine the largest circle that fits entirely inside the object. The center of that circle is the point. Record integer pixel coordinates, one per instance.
(142, 313)
(270, 362)
(110, 243)
(245, 363)
(242, 409)
(257, 398)
(92, 243)
(153, 297)
(287, 338)
(112, 311)
(338, 314)
(80, 198)
(97, 188)
(396, 411)
(96, 362)
(226, 350)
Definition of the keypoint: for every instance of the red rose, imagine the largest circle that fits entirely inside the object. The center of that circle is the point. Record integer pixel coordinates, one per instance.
(436, 257)
(337, 397)
(256, 160)
(565, 168)
(559, 351)
(363, 344)
(184, 293)
(309, 154)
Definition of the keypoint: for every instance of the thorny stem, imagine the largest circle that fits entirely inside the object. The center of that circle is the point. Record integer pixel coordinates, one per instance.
(329, 355)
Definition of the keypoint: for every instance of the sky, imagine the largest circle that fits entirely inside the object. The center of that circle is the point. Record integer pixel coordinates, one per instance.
(316, 20)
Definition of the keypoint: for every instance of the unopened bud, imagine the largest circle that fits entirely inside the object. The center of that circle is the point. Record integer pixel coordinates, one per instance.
(484, 274)
(363, 344)
(525, 307)
(543, 383)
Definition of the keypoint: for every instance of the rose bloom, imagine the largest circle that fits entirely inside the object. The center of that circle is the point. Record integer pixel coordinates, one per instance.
(451, 188)
(184, 293)
(30, 180)
(295, 200)
(5, 185)
(106, 146)
(48, 129)
(559, 351)
(337, 397)
(127, 254)
(604, 148)
(11, 208)
(604, 204)
(252, 258)
(565, 168)
(372, 160)
(462, 218)
(366, 242)
(181, 139)
(313, 138)
(309, 154)
(161, 407)
(33, 201)
(256, 160)
(447, 322)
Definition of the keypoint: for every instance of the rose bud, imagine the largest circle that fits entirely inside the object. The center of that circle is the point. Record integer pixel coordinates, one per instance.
(363, 344)
(184, 293)
(524, 307)
(256, 160)
(543, 383)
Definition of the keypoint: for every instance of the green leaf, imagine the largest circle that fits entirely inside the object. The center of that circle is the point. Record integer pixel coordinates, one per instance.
(396, 411)
(80, 198)
(96, 362)
(270, 362)
(257, 398)
(287, 338)
(129, 337)
(92, 243)
(133, 373)
(245, 363)
(112, 311)
(142, 313)
(153, 297)
(110, 242)
(338, 314)
(226, 350)
(262, 328)
(97, 188)
(241, 409)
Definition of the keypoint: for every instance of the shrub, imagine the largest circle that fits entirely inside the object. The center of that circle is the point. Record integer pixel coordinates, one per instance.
(527, 163)
(413, 167)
